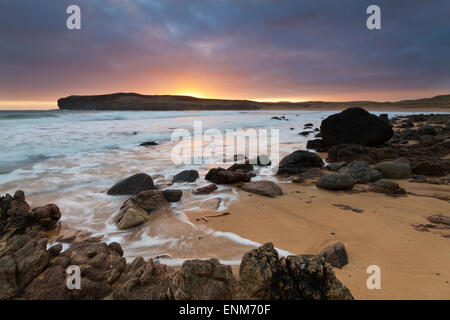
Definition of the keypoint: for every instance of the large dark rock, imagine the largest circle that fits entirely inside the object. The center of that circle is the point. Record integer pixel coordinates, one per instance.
(186, 176)
(356, 126)
(335, 181)
(394, 169)
(317, 144)
(245, 167)
(132, 185)
(223, 176)
(172, 195)
(387, 187)
(299, 161)
(428, 166)
(47, 216)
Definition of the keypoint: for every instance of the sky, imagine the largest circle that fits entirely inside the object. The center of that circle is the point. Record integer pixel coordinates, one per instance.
(266, 50)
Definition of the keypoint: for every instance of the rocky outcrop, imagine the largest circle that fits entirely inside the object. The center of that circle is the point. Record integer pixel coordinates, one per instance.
(223, 176)
(132, 185)
(263, 275)
(299, 161)
(186, 176)
(355, 126)
(32, 271)
(264, 188)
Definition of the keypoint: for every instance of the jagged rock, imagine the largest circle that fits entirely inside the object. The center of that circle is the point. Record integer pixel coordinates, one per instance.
(205, 190)
(203, 280)
(132, 185)
(223, 176)
(14, 206)
(361, 172)
(299, 161)
(186, 176)
(310, 277)
(47, 216)
(357, 126)
(387, 187)
(336, 181)
(264, 188)
(172, 195)
(394, 169)
(335, 254)
(258, 273)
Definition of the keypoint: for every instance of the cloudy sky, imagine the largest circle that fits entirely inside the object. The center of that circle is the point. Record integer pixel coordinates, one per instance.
(255, 49)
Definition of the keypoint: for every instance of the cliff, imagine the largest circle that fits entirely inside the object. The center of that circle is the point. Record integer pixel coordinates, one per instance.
(134, 101)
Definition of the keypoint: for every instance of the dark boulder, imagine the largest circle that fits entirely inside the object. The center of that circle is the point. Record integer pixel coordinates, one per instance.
(299, 161)
(186, 176)
(361, 172)
(335, 181)
(148, 144)
(317, 144)
(172, 195)
(387, 187)
(245, 167)
(223, 176)
(47, 216)
(355, 126)
(132, 185)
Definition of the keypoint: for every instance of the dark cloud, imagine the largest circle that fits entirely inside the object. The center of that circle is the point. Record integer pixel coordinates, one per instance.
(229, 48)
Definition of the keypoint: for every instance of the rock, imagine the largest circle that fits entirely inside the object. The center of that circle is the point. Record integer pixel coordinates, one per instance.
(312, 173)
(309, 125)
(205, 190)
(427, 130)
(245, 167)
(439, 219)
(262, 275)
(19, 195)
(428, 140)
(305, 133)
(258, 273)
(16, 205)
(393, 170)
(357, 126)
(148, 143)
(136, 209)
(145, 281)
(100, 268)
(186, 176)
(47, 216)
(263, 188)
(335, 166)
(387, 187)
(361, 172)
(336, 255)
(222, 176)
(131, 217)
(428, 166)
(317, 144)
(309, 277)
(132, 185)
(203, 280)
(172, 195)
(336, 181)
(299, 161)
(263, 160)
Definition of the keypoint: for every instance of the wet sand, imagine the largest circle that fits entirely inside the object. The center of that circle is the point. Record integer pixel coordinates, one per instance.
(414, 264)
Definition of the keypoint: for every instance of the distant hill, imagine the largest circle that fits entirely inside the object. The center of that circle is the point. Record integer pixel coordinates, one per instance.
(134, 101)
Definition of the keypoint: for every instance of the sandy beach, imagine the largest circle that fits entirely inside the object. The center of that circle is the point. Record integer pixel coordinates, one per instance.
(414, 265)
